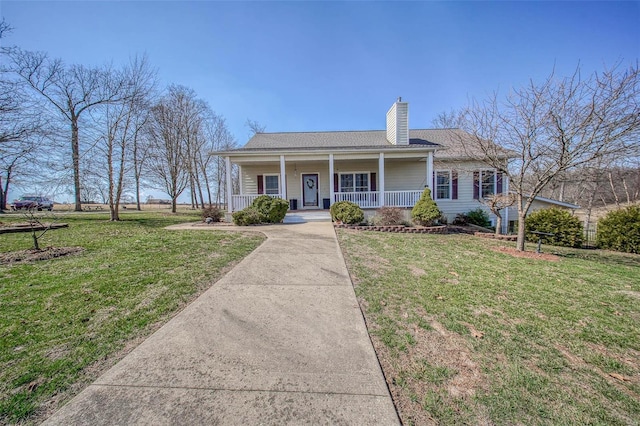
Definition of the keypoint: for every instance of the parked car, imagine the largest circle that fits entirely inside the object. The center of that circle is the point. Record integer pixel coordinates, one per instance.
(28, 202)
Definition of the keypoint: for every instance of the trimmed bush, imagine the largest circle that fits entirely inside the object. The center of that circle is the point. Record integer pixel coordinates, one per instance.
(426, 211)
(248, 216)
(478, 217)
(262, 204)
(620, 230)
(277, 210)
(566, 228)
(264, 209)
(213, 212)
(388, 216)
(346, 212)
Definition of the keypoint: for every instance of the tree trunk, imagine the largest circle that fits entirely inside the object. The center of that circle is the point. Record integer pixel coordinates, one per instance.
(498, 223)
(75, 155)
(613, 189)
(3, 202)
(521, 227)
(173, 204)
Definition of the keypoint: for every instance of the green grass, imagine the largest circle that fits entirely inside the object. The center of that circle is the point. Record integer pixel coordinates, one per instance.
(63, 321)
(470, 335)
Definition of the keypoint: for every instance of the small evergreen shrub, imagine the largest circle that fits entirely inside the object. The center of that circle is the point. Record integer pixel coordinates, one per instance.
(478, 217)
(620, 230)
(346, 212)
(264, 209)
(426, 211)
(566, 228)
(213, 212)
(277, 210)
(262, 204)
(248, 216)
(388, 216)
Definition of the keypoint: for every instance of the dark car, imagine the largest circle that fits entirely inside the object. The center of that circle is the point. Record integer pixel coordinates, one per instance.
(29, 202)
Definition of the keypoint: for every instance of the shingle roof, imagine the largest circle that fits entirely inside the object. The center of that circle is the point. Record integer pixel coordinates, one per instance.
(448, 142)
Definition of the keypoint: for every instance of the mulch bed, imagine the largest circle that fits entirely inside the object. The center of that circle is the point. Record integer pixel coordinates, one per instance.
(32, 255)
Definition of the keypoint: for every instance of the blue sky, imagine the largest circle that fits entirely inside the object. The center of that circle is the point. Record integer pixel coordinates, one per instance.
(304, 66)
(309, 66)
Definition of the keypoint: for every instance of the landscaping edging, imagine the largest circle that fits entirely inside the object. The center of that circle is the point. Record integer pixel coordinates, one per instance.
(397, 228)
(496, 237)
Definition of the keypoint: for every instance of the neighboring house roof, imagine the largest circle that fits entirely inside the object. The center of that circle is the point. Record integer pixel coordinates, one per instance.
(448, 143)
(555, 202)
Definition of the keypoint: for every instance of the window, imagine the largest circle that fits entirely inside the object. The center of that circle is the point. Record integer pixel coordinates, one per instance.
(443, 185)
(486, 183)
(488, 179)
(354, 182)
(362, 182)
(272, 184)
(346, 183)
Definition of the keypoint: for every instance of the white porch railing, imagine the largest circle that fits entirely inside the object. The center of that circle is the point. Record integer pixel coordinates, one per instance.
(365, 200)
(401, 198)
(371, 199)
(243, 201)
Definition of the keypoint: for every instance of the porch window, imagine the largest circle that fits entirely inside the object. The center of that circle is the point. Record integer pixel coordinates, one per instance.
(443, 185)
(354, 182)
(272, 184)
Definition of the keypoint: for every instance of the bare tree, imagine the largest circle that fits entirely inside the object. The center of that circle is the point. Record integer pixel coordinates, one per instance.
(254, 127)
(168, 163)
(122, 129)
(554, 127)
(496, 203)
(71, 90)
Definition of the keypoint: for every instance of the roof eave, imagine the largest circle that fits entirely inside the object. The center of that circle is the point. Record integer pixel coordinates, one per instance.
(330, 150)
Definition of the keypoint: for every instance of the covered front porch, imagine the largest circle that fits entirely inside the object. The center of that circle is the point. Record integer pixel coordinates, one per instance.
(315, 181)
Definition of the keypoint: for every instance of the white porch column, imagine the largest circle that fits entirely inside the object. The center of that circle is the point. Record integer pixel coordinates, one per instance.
(331, 187)
(283, 181)
(430, 173)
(229, 185)
(381, 179)
(240, 180)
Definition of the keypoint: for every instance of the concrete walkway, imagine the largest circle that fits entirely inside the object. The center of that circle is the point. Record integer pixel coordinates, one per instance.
(278, 340)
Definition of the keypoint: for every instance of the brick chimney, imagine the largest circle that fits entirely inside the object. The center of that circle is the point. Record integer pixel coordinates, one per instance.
(398, 123)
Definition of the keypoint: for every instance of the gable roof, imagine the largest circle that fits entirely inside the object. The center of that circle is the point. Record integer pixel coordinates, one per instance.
(447, 143)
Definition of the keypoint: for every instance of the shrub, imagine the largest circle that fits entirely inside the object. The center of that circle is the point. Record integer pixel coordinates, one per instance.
(263, 204)
(620, 230)
(387, 216)
(461, 220)
(248, 216)
(426, 211)
(277, 210)
(566, 228)
(478, 217)
(346, 212)
(213, 212)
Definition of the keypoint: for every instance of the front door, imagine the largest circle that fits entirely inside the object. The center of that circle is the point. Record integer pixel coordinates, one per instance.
(310, 190)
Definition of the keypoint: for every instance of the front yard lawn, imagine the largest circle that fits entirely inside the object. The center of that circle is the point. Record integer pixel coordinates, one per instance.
(467, 334)
(63, 321)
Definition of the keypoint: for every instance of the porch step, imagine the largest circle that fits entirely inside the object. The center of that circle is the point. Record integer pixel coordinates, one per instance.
(307, 216)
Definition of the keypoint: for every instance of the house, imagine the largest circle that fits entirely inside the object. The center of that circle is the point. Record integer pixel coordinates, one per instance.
(376, 168)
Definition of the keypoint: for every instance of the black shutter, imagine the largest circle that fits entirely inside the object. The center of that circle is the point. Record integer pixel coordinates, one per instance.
(260, 184)
(454, 185)
(476, 185)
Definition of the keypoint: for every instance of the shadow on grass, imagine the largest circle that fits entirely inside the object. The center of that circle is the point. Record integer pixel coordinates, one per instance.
(603, 257)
